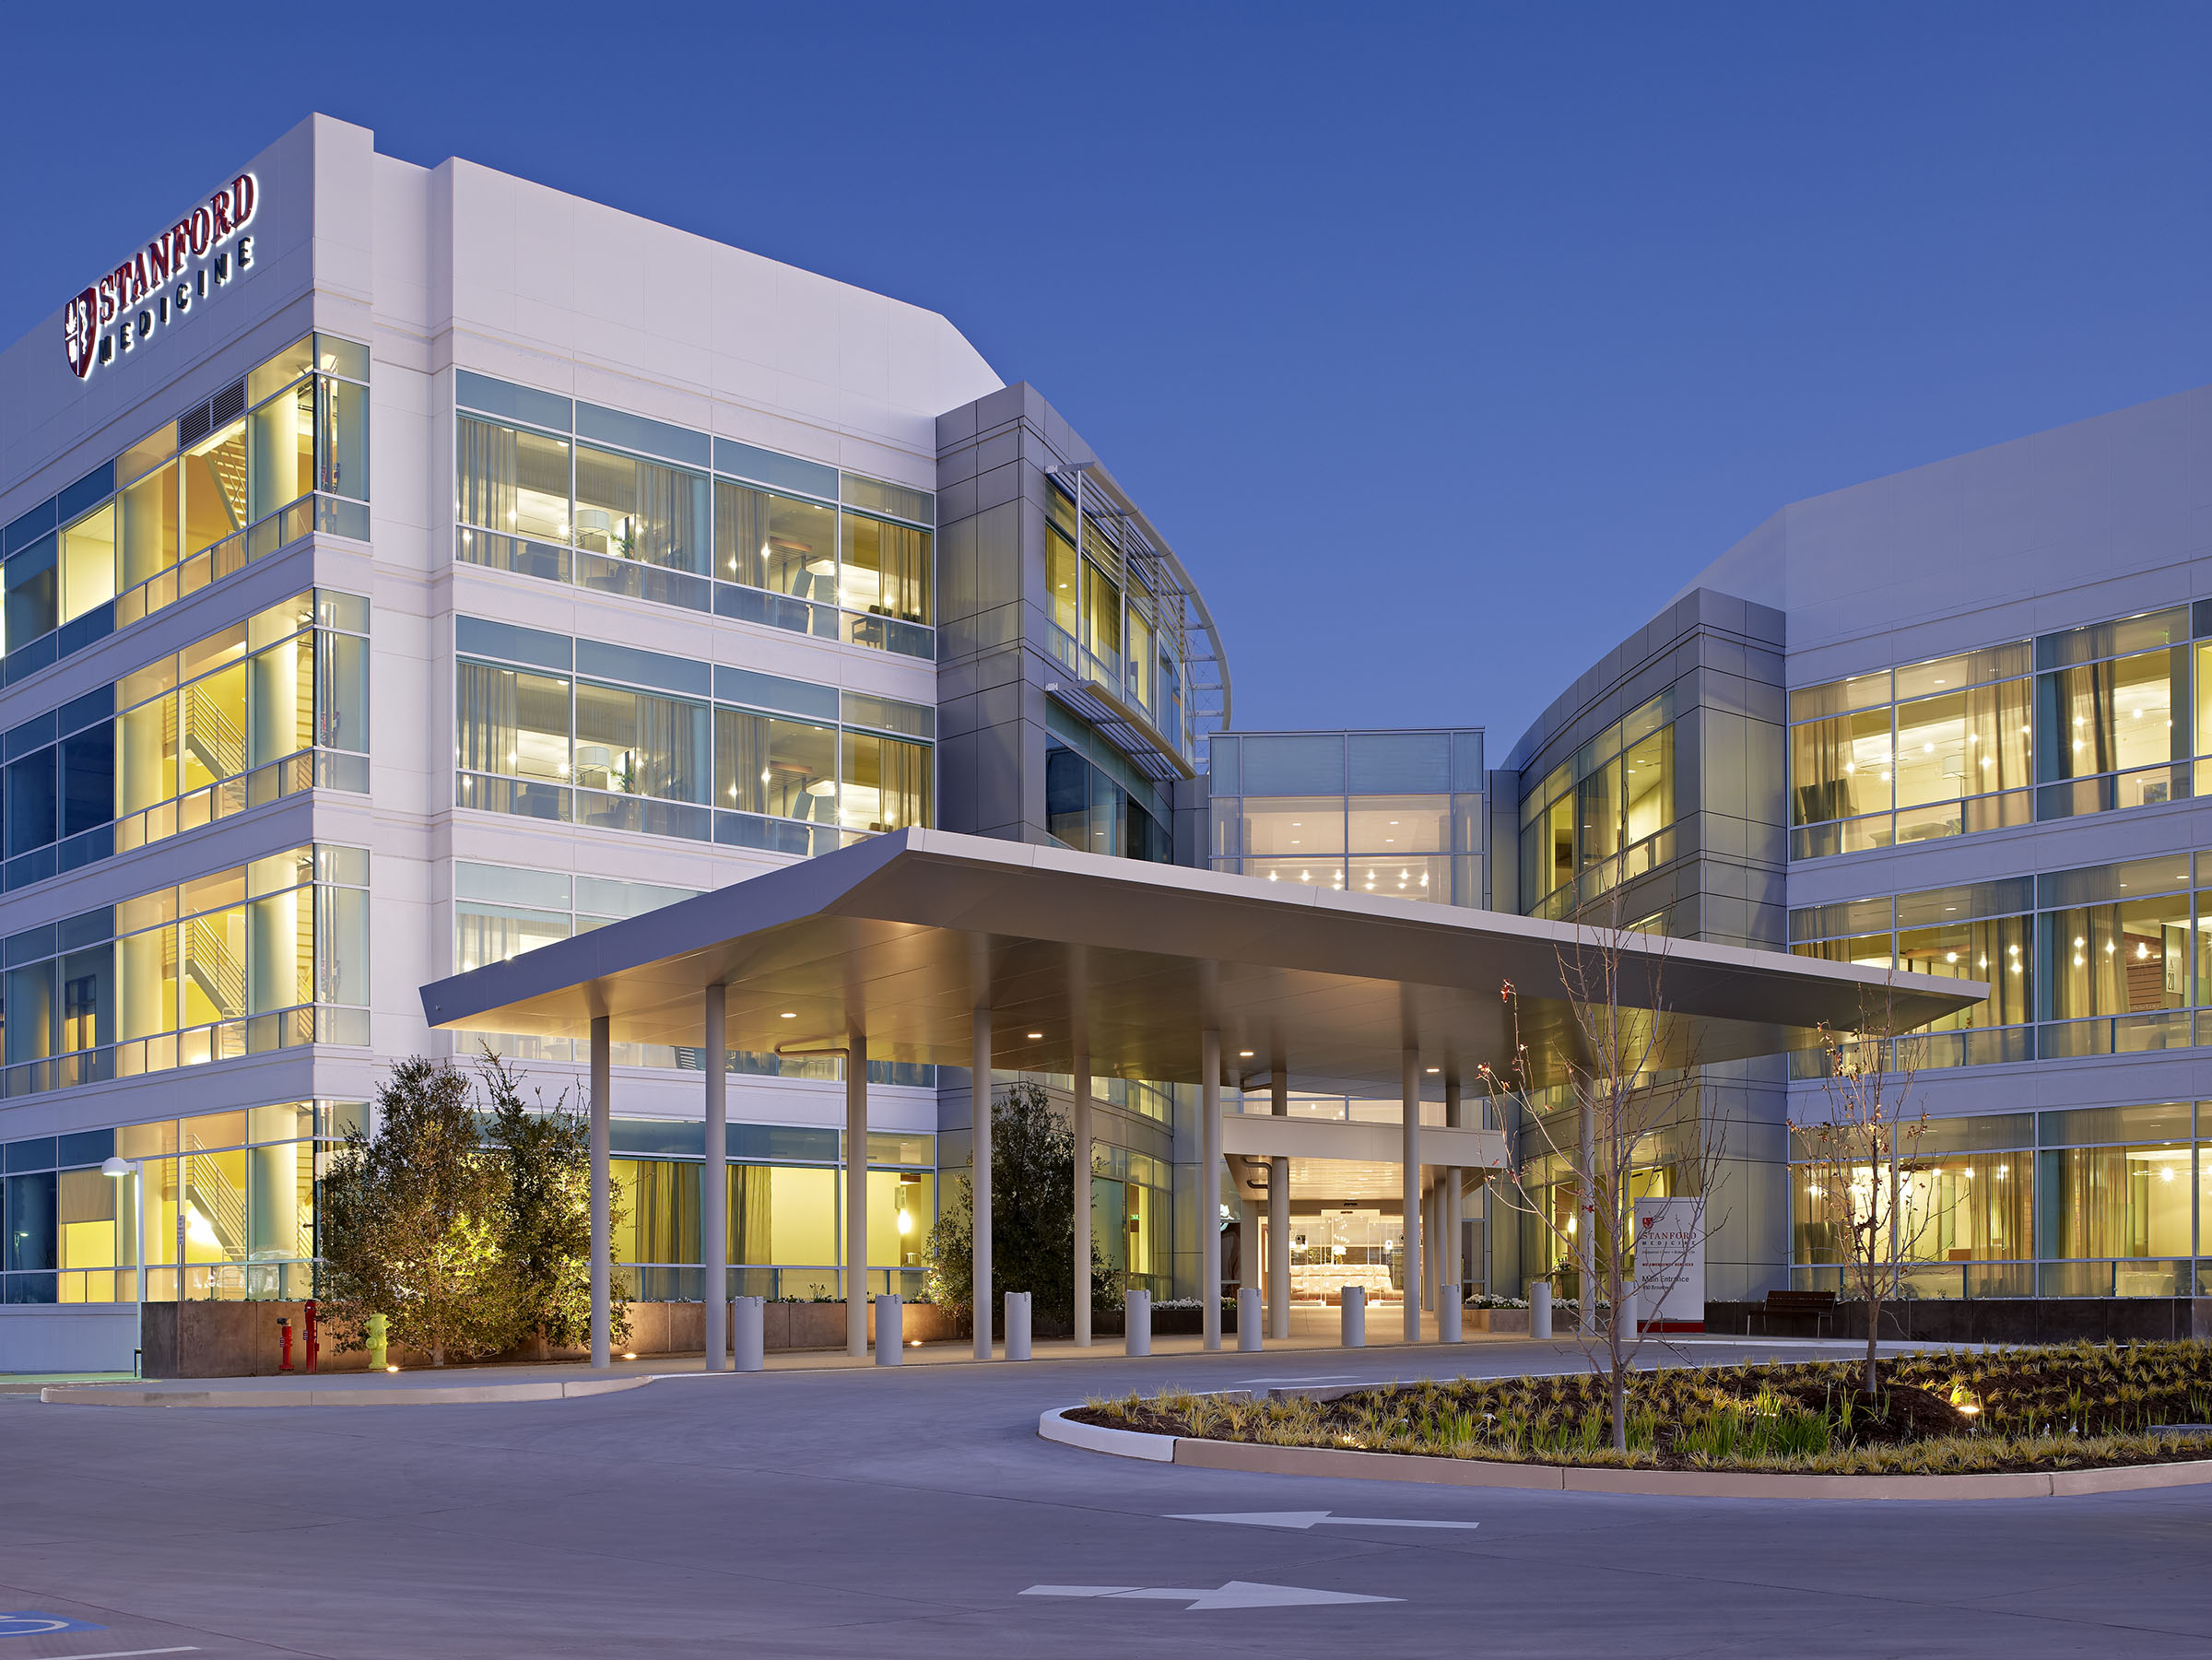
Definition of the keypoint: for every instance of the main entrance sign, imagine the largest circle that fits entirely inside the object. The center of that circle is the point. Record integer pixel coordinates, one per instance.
(202, 252)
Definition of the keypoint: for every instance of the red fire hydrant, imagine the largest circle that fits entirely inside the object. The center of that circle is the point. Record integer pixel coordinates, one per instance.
(285, 1326)
(313, 1344)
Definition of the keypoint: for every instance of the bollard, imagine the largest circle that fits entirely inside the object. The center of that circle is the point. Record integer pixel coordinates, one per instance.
(1136, 1323)
(1017, 1325)
(314, 1342)
(748, 1333)
(1355, 1317)
(1629, 1321)
(376, 1343)
(284, 1332)
(890, 1329)
(1539, 1308)
(1448, 1309)
(1249, 1320)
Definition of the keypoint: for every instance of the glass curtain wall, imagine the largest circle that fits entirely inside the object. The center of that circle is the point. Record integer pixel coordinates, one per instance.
(2096, 1201)
(2092, 720)
(198, 499)
(572, 492)
(1601, 817)
(2106, 959)
(237, 1210)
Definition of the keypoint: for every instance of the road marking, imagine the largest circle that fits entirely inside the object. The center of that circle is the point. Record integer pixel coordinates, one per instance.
(29, 1622)
(1313, 1518)
(125, 1653)
(1236, 1593)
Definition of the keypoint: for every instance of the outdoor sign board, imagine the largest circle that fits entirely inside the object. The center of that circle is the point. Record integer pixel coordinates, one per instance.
(200, 254)
(1670, 1264)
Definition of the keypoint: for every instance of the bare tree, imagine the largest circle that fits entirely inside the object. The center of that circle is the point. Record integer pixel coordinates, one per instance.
(1858, 1177)
(1630, 1108)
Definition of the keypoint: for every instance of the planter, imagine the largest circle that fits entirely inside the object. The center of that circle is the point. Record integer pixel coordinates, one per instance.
(1514, 1320)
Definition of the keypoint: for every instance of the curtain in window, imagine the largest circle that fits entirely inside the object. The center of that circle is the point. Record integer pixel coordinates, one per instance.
(1999, 754)
(484, 713)
(751, 1215)
(671, 750)
(487, 475)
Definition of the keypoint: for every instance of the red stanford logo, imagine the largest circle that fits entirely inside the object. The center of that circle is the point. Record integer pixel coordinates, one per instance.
(200, 253)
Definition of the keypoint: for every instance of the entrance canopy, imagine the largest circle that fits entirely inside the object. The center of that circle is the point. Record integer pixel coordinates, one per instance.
(905, 936)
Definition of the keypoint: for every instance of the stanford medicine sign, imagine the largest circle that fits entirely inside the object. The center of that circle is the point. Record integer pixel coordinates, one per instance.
(202, 252)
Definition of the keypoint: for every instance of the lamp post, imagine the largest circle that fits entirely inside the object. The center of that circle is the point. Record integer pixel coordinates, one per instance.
(118, 1168)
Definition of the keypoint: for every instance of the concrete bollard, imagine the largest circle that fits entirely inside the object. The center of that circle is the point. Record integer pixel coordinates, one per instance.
(1136, 1323)
(890, 1329)
(1017, 1325)
(1250, 1317)
(1539, 1308)
(1354, 1317)
(1448, 1308)
(1629, 1317)
(748, 1333)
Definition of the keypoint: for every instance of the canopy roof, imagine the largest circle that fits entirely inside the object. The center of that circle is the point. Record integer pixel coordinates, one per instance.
(908, 934)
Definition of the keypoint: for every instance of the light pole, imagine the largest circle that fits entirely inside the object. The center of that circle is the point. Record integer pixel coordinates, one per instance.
(118, 1168)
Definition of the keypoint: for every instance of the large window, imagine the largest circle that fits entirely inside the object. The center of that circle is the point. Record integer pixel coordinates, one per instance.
(1600, 817)
(258, 957)
(572, 492)
(2092, 720)
(534, 739)
(228, 1204)
(198, 499)
(1389, 823)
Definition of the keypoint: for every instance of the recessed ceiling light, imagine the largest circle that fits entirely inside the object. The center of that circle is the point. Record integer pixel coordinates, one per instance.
(1036, 1034)
(790, 1016)
(1245, 1055)
(1436, 1069)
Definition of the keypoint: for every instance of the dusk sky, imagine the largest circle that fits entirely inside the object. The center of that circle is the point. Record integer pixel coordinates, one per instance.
(1443, 344)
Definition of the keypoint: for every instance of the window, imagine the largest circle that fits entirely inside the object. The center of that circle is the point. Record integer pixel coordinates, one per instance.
(637, 744)
(784, 768)
(214, 477)
(884, 783)
(513, 480)
(1597, 820)
(2115, 716)
(774, 542)
(511, 721)
(638, 510)
(887, 569)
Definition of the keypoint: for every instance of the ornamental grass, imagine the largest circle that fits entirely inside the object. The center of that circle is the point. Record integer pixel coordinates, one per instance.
(1940, 1413)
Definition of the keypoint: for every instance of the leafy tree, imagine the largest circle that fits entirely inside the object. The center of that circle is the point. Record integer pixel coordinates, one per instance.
(412, 1224)
(1032, 1217)
(546, 1224)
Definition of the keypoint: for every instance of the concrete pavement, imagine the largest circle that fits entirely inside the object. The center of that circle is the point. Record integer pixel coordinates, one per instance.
(913, 1513)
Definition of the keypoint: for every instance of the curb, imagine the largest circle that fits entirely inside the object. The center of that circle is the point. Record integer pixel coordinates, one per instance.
(457, 1394)
(1342, 1463)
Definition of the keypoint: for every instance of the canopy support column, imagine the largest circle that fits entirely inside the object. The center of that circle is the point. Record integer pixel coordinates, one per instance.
(1409, 1092)
(856, 1189)
(601, 1234)
(1210, 1189)
(1080, 1123)
(1455, 1271)
(713, 1209)
(979, 1116)
(1278, 1223)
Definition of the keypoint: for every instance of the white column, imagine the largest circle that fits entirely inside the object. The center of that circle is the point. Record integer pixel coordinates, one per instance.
(979, 1117)
(1455, 1271)
(1209, 1188)
(1079, 1117)
(1409, 1095)
(1585, 1249)
(714, 1201)
(1278, 1221)
(856, 1189)
(602, 1235)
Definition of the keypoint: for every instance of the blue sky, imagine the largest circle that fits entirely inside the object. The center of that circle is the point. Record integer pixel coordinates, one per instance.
(1444, 344)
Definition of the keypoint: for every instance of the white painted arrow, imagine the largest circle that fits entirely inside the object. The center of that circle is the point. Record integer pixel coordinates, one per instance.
(1313, 1518)
(1236, 1593)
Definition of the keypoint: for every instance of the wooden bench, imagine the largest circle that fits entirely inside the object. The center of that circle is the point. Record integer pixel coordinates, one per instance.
(1819, 1307)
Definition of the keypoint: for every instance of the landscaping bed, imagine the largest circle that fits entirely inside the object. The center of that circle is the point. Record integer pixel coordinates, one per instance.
(2016, 1409)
